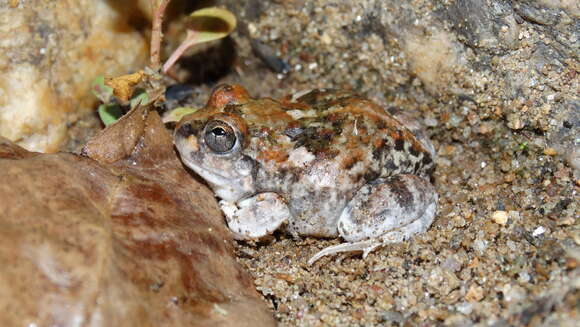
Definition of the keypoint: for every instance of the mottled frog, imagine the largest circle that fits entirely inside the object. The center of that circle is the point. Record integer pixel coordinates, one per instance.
(325, 163)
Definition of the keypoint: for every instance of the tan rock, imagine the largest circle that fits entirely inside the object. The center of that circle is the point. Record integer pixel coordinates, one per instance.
(550, 151)
(50, 52)
(474, 293)
(433, 59)
(500, 217)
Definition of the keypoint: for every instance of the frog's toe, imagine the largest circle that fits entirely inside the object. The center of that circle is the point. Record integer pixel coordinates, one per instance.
(365, 246)
(255, 217)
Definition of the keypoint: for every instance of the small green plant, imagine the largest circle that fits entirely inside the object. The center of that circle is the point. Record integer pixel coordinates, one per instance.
(204, 25)
(108, 112)
(115, 94)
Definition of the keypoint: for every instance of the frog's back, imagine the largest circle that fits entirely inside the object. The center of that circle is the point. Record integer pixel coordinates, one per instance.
(358, 134)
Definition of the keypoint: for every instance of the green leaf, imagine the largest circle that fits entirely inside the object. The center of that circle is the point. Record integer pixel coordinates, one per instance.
(110, 113)
(211, 24)
(100, 90)
(205, 25)
(140, 99)
(176, 114)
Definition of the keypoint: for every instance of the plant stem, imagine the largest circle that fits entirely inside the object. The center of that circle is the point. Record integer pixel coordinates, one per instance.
(156, 32)
(186, 44)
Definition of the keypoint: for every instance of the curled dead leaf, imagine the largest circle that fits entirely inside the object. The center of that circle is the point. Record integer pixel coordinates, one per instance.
(123, 86)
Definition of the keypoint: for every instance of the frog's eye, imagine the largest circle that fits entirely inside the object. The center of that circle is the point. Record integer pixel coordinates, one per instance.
(219, 136)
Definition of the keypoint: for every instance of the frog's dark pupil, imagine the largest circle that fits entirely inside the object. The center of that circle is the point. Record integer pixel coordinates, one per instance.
(218, 131)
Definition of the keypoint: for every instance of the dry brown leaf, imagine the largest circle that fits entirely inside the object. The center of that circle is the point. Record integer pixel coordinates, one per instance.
(122, 236)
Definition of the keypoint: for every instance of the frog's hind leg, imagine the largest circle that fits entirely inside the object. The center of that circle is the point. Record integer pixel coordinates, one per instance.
(385, 211)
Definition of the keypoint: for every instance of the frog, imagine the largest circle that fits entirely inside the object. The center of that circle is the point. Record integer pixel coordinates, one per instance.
(323, 163)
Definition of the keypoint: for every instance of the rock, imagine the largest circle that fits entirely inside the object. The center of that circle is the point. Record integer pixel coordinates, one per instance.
(50, 53)
(465, 307)
(451, 264)
(474, 293)
(515, 121)
(481, 24)
(513, 293)
(120, 236)
(564, 139)
(500, 217)
(538, 231)
(442, 281)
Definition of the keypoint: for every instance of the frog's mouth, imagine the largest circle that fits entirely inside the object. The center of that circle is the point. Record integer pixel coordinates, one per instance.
(210, 176)
(229, 188)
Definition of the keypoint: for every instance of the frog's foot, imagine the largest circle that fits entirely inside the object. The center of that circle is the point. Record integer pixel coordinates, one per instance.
(255, 217)
(365, 246)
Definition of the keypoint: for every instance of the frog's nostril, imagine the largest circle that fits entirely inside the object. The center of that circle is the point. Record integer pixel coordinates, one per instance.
(185, 130)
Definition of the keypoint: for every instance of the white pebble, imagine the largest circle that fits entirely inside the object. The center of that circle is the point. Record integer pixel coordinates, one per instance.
(500, 217)
(465, 307)
(538, 231)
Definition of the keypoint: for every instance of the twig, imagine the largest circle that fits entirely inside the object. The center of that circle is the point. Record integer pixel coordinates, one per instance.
(157, 33)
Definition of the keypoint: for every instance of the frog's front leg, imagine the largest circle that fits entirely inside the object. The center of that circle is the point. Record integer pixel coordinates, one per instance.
(255, 217)
(385, 211)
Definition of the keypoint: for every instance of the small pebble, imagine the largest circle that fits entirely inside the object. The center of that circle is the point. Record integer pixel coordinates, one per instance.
(515, 122)
(325, 38)
(510, 177)
(514, 215)
(480, 245)
(465, 307)
(538, 231)
(566, 221)
(513, 293)
(524, 277)
(576, 237)
(500, 217)
(474, 294)
(571, 263)
(546, 183)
